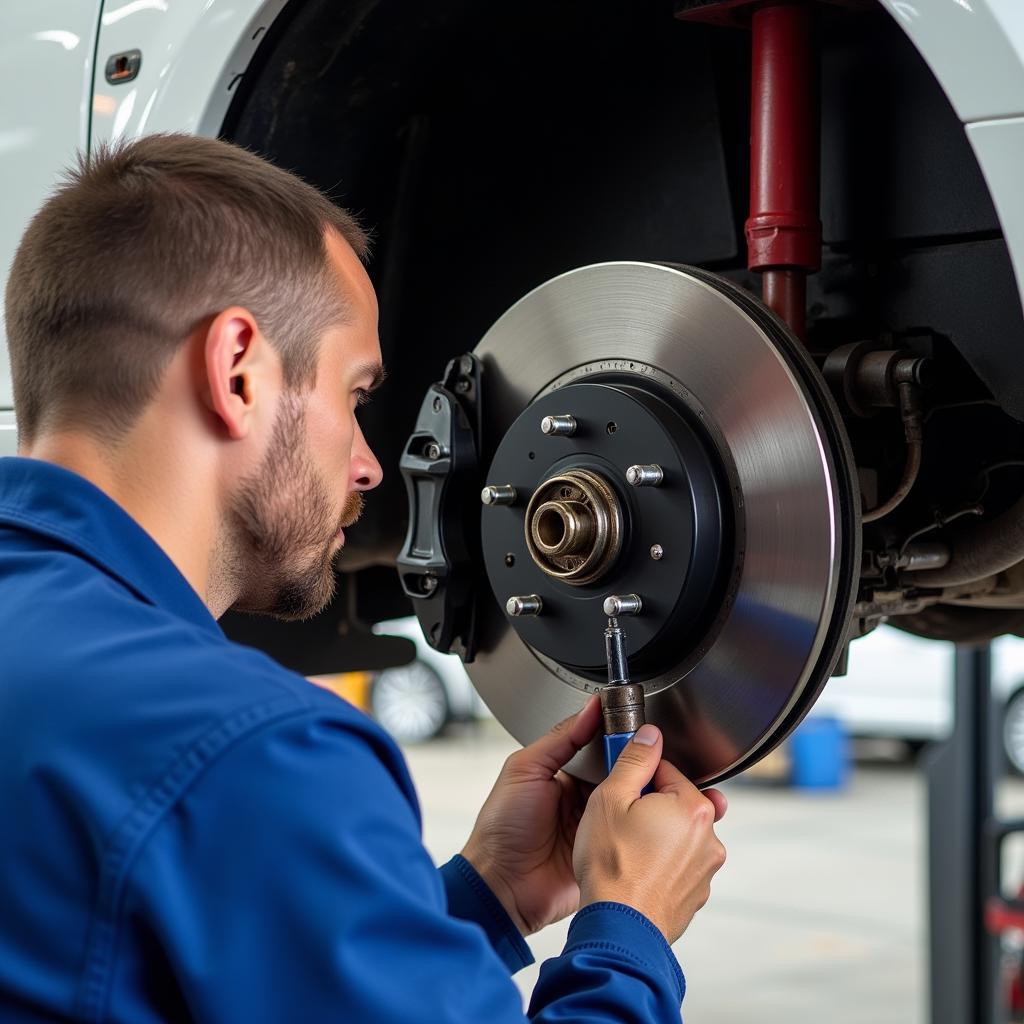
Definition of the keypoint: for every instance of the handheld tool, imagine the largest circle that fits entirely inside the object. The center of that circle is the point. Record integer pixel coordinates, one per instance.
(622, 702)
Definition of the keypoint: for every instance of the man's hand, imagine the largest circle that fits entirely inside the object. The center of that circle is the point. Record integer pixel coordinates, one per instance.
(523, 839)
(655, 853)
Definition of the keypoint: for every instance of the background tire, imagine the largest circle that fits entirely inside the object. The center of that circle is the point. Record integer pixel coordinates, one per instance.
(1013, 732)
(410, 702)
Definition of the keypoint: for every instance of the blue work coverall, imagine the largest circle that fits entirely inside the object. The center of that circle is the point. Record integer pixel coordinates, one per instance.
(191, 832)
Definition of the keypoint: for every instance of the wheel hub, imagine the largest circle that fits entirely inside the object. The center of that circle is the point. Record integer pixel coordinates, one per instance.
(574, 526)
(578, 530)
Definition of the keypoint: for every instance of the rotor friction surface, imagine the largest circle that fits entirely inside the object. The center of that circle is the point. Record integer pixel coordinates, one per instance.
(779, 639)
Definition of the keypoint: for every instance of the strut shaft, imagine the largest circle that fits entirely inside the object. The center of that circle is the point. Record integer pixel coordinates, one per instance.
(784, 229)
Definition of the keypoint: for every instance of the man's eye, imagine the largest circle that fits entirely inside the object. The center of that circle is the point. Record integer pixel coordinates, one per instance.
(362, 396)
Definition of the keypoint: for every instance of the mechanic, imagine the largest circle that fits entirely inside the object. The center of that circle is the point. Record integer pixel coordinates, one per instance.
(190, 830)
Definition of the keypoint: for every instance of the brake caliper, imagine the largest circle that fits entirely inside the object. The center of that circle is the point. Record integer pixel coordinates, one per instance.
(439, 565)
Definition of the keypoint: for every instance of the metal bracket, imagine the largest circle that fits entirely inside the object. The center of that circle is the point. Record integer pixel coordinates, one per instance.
(962, 847)
(439, 565)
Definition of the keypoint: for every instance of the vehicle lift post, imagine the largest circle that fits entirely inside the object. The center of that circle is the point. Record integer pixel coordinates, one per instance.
(964, 840)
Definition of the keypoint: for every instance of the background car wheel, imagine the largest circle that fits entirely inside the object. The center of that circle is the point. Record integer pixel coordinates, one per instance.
(410, 702)
(1013, 731)
(915, 748)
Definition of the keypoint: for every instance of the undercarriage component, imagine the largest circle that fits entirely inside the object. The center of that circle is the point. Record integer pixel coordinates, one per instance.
(742, 559)
(866, 378)
(913, 432)
(960, 625)
(980, 550)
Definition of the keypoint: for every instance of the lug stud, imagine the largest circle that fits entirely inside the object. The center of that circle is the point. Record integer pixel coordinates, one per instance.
(498, 494)
(622, 604)
(524, 604)
(657, 552)
(558, 426)
(645, 476)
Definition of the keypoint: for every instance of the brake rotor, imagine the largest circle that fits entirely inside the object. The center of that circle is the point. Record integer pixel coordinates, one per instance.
(744, 552)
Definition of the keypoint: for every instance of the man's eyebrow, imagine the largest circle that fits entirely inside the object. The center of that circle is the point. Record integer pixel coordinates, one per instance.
(376, 373)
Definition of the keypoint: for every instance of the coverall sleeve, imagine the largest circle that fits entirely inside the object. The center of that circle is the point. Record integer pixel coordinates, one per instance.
(470, 898)
(289, 883)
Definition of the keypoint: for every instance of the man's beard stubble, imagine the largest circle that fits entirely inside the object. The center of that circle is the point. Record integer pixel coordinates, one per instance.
(284, 527)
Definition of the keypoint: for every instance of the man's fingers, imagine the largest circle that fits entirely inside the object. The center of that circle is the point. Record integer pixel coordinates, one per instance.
(637, 763)
(558, 746)
(669, 779)
(583, 725)
(717, 797)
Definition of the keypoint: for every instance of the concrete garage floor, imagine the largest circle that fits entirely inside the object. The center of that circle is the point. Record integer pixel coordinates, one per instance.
(819, 913)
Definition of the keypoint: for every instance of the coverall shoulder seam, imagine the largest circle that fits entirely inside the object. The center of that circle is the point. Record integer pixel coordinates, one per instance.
(77, 545)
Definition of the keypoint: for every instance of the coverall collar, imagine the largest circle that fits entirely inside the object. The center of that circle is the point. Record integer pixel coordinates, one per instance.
(50, 501)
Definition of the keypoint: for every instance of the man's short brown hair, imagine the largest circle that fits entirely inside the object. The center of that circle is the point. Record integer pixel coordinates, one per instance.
(140, 243)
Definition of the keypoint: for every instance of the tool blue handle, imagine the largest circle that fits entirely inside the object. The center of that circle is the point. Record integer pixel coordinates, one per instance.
(613, 746)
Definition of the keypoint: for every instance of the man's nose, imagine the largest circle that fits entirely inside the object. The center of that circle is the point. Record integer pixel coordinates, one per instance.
(366, 471)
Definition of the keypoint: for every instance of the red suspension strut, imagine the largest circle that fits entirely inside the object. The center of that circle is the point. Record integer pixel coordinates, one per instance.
(784, 228)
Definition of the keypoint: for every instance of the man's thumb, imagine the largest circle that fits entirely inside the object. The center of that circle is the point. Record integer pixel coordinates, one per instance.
(638, 762)
(552, 750)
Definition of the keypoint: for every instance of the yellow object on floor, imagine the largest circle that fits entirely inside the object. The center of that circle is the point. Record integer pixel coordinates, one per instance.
(351, 686)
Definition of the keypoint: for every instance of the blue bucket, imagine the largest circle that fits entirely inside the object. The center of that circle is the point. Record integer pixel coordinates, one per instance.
(820, 754)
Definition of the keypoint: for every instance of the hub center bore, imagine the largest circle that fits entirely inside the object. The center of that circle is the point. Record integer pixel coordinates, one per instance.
(563, 528)
(574, 526)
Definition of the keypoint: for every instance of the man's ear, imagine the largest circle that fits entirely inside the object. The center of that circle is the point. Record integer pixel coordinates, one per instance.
(233, 359)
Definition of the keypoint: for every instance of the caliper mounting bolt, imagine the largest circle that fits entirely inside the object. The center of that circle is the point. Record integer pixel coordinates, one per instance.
(558, 426)
(645, 476)
(498, 494)
(622, 604)
(524, 604)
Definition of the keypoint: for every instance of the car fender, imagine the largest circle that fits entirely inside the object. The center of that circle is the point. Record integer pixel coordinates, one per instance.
(976, 51)
(194, 54)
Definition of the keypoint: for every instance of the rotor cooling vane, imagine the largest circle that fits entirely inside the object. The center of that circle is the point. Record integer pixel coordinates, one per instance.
(653, 431)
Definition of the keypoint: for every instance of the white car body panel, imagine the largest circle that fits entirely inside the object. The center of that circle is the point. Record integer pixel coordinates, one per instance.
(975, 48)
(46, 67)
(902, 686)
(999, 147)
(194, 54)
(8, 434)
